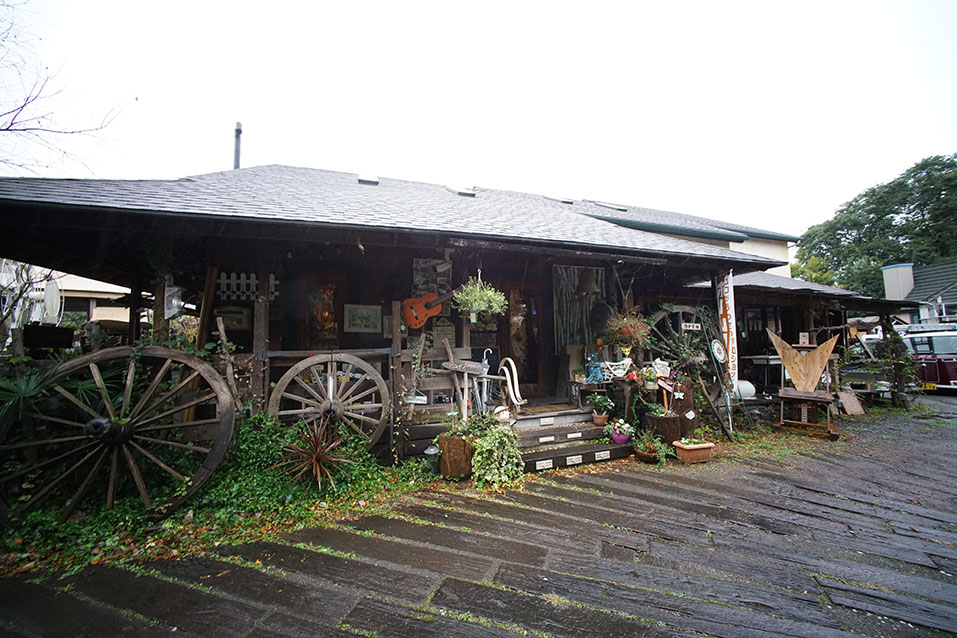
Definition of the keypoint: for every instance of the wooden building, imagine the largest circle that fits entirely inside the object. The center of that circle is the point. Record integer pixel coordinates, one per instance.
(301, 262)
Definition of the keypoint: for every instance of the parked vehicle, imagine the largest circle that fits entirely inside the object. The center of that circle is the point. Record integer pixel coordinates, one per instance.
(935, 348)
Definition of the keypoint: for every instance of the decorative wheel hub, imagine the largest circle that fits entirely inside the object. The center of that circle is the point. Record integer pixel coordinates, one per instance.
(332, 410)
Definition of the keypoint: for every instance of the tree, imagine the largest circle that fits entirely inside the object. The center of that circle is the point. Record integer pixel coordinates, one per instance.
(28, 128)
(814, 270)
(910, 219)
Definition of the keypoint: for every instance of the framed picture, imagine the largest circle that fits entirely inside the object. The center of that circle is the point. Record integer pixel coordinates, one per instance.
(362, 318)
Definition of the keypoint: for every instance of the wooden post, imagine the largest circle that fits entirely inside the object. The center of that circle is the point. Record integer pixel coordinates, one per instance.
(133, 331)
(396, 441)
(206, 307)
(260, 339)
(160, 324)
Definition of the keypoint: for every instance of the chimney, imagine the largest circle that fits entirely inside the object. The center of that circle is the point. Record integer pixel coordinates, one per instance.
(239, 132)
(898, 280)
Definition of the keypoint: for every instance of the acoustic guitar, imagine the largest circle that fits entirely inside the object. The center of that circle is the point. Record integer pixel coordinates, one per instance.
(417, 310)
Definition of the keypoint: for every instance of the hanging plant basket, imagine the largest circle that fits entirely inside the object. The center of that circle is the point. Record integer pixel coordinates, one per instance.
(477, 297)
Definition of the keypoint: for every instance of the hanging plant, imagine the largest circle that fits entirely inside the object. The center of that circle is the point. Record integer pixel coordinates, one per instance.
(476, 296)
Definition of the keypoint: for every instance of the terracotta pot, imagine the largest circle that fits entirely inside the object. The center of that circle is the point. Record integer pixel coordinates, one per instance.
(698, 453)
(456, 452)
(667, 427)
(620, 438)
(599, 419)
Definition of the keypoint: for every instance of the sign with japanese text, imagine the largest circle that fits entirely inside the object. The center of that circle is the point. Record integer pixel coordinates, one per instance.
(727, 324)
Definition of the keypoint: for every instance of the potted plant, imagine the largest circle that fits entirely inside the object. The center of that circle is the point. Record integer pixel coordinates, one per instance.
(649, 378)
(628, 329)
(601, 406)
(693, 449)
(651, 448)
(619, 431)
(457, 445)
(663, 422)
(475, 296)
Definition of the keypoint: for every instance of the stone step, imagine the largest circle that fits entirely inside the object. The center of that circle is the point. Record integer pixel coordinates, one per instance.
(577, 455)
(558, 434)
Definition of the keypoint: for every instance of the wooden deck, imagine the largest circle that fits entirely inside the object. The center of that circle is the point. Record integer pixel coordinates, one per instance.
(857, 537)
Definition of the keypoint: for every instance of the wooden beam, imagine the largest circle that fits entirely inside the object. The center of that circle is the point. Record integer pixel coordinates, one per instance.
(260, 339)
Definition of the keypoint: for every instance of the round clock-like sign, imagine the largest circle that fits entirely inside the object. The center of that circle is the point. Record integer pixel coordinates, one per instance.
(717, 349)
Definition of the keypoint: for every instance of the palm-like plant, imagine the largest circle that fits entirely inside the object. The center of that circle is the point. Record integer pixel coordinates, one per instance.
(314, 451)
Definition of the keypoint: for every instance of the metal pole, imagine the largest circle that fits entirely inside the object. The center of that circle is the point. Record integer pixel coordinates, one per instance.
(239, 132)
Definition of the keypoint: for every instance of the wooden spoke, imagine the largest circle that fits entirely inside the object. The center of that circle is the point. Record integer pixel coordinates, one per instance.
(308, 388)
(317, 383)
(114, 470)
(151, 389)
(53, 419)
(299, 412)
(355, 386)
(178, 426)
(84, 486)
(176, 444)
(52, 484)
(346, 374)
(179, 408)
(361, 417)
(66, 394)
(128, 387)
(104, 394)
(361, 395)
(163, 466)
(41, 443)
(169, 395)
(137, 477)
(43, 464)
(356, 428)
(364, 407)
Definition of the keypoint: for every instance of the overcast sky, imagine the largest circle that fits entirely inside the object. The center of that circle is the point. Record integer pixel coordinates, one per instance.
(769, 114)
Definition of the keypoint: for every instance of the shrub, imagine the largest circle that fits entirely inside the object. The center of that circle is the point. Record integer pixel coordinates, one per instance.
(497, 461)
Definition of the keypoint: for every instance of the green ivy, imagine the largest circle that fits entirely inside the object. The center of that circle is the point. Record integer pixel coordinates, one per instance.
(496, 461)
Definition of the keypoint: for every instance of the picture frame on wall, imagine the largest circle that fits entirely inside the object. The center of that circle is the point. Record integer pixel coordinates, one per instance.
(360, 318)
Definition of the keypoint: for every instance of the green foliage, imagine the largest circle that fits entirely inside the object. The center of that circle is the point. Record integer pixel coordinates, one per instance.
(814, 270)
(910, 219)
(601, 403)
(619, 426)
(628, 328)
(648, 441)
(496, 461)
(479, 296)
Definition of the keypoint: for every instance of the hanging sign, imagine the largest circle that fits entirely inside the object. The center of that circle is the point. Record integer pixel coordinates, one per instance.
(727, 324)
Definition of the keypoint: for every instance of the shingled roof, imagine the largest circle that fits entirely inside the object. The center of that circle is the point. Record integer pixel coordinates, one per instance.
(284, 194)
(933, 281)
(679, 223)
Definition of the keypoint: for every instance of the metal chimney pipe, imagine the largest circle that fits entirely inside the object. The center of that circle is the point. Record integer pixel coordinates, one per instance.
(239, 132)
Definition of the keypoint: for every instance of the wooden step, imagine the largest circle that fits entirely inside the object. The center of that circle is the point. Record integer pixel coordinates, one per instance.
(558, 434)
(554, 418)
(571, 456)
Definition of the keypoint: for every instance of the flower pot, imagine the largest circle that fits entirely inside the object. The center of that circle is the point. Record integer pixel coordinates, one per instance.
(667, 427)
(456, 452)
(620, 438)
(651, 385)
(698, 453)
(599, 419)
(647, 457)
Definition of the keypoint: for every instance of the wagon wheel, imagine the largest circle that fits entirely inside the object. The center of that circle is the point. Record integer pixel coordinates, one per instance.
(116, 424)
(668, 324)
(337, 387)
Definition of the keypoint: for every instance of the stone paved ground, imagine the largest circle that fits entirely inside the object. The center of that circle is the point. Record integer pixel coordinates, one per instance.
(856, 537)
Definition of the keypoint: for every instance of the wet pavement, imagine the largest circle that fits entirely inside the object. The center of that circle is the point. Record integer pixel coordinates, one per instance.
(856, 537)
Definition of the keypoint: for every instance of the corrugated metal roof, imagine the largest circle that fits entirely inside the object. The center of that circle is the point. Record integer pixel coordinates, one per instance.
(305, 195)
